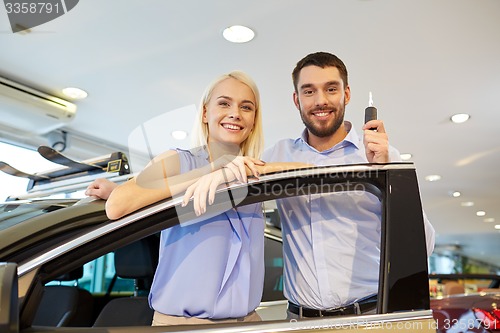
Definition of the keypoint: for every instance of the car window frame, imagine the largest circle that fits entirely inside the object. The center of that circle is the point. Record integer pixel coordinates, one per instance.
(394, 183)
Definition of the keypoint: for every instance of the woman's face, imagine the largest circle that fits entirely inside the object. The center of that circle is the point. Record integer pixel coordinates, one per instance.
(230, 112)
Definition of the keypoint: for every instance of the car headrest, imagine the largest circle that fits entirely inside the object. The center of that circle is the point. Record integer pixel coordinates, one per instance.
(71, 276)
(138, 260)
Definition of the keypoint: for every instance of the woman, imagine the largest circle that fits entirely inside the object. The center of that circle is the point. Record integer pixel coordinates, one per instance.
(213, 270)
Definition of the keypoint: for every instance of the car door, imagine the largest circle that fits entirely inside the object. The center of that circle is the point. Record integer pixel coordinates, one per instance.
(402, 302)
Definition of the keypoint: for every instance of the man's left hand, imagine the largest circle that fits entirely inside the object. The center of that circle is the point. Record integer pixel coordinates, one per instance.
(376, 142)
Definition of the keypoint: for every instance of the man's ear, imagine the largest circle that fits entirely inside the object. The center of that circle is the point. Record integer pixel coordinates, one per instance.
(347, 95)
(296, 100)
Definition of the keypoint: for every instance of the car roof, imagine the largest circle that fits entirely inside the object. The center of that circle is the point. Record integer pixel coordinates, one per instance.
(29, 224)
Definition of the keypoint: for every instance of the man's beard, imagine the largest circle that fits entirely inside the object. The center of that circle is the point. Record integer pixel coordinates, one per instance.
(322, 132)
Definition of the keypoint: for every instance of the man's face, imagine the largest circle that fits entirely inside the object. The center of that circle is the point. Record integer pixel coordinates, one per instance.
(321, 99)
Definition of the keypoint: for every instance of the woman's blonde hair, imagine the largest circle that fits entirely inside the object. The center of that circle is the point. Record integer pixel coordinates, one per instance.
(254, 144)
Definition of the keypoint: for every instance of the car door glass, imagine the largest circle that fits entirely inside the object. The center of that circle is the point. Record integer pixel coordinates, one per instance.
(273, 279)
(98, 276)
(273, 254)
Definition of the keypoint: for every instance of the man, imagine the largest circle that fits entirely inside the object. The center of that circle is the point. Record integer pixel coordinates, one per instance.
(331, 242)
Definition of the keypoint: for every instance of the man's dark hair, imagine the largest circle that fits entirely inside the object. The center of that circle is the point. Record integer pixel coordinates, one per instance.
(320, 59)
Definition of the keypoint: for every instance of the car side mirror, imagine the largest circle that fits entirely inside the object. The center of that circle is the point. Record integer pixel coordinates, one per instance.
(9, 305)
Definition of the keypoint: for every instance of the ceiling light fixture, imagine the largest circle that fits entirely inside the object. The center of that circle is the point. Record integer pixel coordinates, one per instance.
(480, 213)
(238, 34)
(467, 204)
(179, 135)
(75, 93)
(489, 220)
(433, 178)
(497, 226)
(455, 194)
(460, 118)
(406, 156)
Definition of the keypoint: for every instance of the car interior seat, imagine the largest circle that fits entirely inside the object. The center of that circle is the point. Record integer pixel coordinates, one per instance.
(136, 261)
(65, 305)
(273, 284)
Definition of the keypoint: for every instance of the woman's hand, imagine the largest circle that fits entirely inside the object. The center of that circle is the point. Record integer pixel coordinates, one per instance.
(100, 188)
(231, 168)
(241, 166)
(205, 188)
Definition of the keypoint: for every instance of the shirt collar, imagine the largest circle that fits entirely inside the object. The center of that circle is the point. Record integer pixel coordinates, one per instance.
(351, 138)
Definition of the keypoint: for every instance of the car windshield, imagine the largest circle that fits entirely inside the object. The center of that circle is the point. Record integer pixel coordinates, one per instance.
(14, 213)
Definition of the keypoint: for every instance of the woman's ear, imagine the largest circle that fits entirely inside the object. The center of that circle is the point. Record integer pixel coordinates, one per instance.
(204, 118)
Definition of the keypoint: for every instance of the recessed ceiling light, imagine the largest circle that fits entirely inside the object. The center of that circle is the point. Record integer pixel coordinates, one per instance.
(455, 194)
(480, 213)
(179, 135)
(433, 178)
(238, 34)
(467, 204)
(460, 118)
(497, 226)
(75, 93)
(489, 220)
(406, 156)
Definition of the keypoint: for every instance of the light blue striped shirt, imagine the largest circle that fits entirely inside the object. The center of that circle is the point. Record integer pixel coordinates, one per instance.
(213, 268)
(331, 242)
